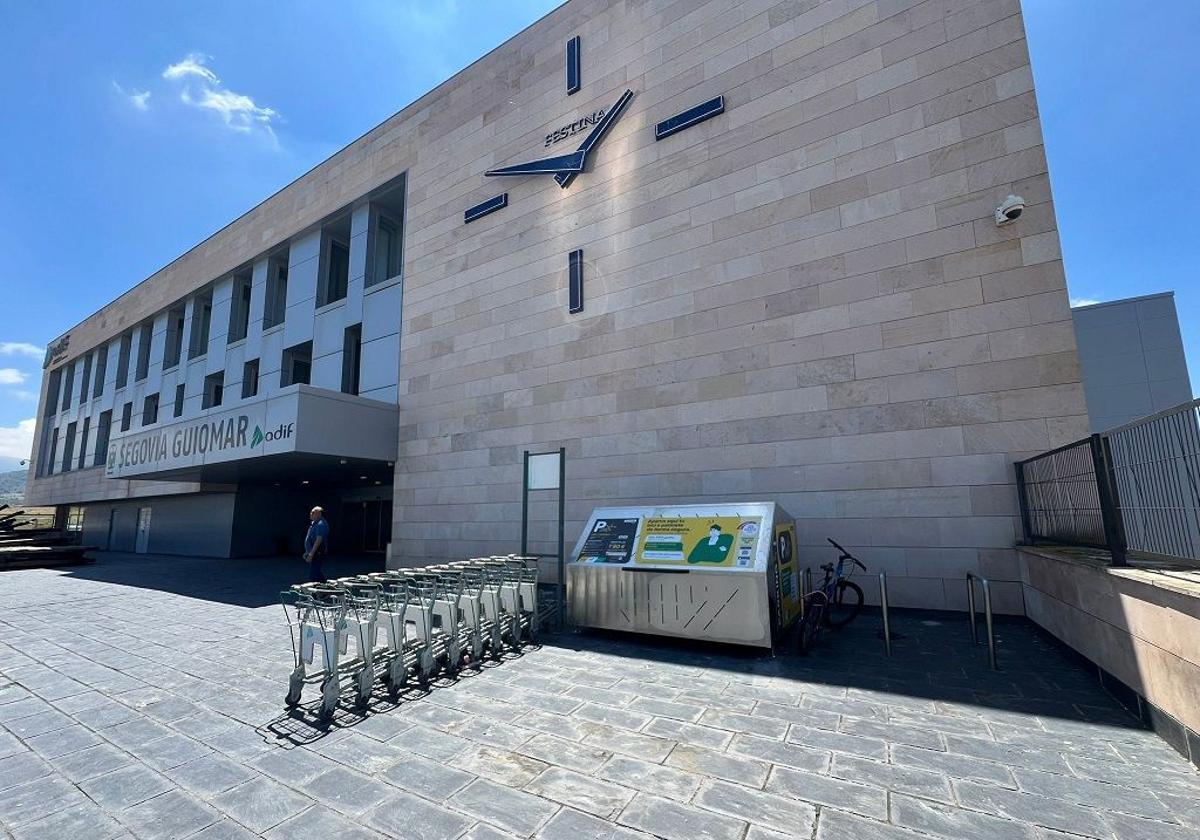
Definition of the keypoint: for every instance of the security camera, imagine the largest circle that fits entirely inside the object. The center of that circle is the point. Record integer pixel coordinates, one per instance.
(1009, 210)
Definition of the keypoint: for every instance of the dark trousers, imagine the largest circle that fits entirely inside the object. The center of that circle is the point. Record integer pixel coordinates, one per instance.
(315, 573)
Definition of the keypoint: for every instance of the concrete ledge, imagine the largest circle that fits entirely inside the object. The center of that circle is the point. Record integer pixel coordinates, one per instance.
(1140, 626)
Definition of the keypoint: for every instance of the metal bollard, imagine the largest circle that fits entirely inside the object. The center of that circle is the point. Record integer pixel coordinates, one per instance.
(971, 607)
(987, 611)
(806, 589)
(883, 605)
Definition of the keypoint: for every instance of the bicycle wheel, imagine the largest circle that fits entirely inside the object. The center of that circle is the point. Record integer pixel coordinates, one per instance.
(847, 604)
(809, 625)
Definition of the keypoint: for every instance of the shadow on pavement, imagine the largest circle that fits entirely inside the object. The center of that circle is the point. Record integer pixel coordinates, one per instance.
(239, 581)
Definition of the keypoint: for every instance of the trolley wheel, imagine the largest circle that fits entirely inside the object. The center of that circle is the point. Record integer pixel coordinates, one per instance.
(393, 691)
(329, 698)
(292, 700)
(847, 604)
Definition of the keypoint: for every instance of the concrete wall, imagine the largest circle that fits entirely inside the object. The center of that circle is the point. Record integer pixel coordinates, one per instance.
(805, 299)
(1139, 625)
(1131, 353)
(198, 524)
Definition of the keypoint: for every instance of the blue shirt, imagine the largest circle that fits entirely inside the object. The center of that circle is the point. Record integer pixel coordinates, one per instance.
(320, 528)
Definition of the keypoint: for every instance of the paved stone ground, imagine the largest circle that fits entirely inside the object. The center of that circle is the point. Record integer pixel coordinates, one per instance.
(142, 697)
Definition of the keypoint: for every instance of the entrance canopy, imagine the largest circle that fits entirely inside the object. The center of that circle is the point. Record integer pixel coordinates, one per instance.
(291, 434)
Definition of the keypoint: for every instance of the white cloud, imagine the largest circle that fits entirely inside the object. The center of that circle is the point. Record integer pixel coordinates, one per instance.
(11, 376)
(17, 441)
(139, 99)
(23, 395)
(237, 110)
(192, 65)
(203, 89)
(1083, 301)
(21, 348)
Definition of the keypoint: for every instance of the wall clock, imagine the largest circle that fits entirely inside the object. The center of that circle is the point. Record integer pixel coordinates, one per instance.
(565, 167)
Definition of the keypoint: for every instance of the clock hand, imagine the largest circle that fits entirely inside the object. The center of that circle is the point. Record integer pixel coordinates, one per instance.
(565, 177)
(547, 166)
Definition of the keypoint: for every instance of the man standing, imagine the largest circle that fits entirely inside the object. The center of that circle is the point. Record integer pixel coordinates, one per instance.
(316, 544)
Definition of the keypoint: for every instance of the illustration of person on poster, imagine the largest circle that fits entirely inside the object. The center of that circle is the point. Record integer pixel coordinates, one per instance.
(714, 549)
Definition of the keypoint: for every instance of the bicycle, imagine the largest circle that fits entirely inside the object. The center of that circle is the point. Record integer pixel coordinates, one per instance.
(836, 603)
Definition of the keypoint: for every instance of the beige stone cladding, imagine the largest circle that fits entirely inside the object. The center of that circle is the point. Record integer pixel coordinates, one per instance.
(805, 299)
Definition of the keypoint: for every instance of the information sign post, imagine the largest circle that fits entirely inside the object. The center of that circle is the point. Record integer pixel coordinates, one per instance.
(547, 471)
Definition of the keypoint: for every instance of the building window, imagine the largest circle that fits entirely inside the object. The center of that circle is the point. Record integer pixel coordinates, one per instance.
(123, 359)
(145, 336)
(52, 457)
(75, 518)
(250, 379)
(86, 378)
(275, 302)
(50, 407)
(201, 322)
(150, 409)
(101, 370)
(83, 442)
(179, 392)
(385, 242)
(174, 344)
(336, 276)
(126, 416)
(214, 385)
(68, 386)
(103, 428)
(387, 252)
(69, 448)
(297, 365)
(351, 358)
(239, 307)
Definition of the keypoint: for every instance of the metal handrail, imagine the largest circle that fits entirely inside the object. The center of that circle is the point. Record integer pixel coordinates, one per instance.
(987, 611)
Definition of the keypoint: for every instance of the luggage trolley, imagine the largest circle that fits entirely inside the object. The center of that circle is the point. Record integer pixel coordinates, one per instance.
(433, 618)
(525, 572)
(316, 615)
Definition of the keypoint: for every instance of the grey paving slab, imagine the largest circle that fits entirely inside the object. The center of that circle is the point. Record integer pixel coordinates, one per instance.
(347, 791)
(92, 762)
(171, 815)
(568, 824)
(652, 738)
(408, 816)
(428, 778)
(125, 787)
(581, 757)
(261, 804)
(504, 766)
(85, 820)
(818, 789)
(676, 821)
(600, 798)
(210, 774)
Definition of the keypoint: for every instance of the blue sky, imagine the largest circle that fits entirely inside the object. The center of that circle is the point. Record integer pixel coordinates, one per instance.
(134, 130)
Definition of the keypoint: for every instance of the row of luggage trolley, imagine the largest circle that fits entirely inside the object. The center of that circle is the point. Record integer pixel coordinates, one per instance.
(435, 618)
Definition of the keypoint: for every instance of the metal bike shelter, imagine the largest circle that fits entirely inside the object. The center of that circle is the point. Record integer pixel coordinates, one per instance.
(718, 572)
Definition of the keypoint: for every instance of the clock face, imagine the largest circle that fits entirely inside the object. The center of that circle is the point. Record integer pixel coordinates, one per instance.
(564, 167)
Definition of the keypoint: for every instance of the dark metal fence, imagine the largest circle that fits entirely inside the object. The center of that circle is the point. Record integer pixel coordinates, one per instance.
(1134, 489)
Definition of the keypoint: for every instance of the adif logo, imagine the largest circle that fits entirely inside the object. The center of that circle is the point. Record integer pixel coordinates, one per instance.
(284, 432)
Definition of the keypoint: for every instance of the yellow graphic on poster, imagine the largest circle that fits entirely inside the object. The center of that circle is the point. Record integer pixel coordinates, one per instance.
(789, 573)
(724, 542)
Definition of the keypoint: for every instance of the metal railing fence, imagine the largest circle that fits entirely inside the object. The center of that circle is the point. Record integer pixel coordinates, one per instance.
(1134, 489)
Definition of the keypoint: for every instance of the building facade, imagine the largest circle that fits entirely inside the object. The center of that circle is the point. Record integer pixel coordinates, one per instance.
(1131, 355)
(715, 250)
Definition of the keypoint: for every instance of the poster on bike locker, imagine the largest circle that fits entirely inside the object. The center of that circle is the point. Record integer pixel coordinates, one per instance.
(610, 540)
(718, 541)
